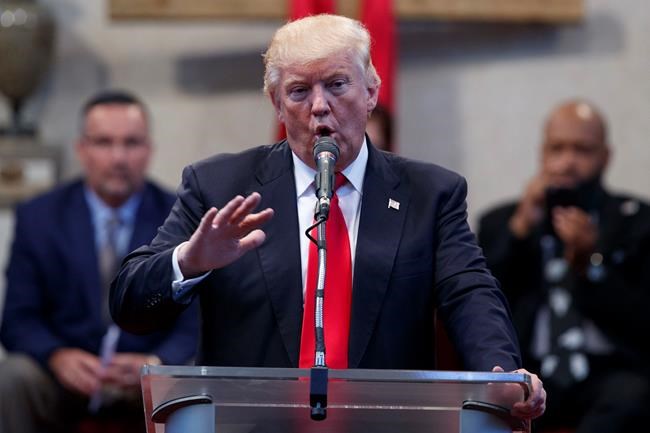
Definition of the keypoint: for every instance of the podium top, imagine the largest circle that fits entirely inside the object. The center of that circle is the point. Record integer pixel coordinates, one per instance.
(359, 392)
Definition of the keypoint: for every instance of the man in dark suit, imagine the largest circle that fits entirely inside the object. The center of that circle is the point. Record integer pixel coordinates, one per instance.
(574, 262)
(409, 242)
(56, 314)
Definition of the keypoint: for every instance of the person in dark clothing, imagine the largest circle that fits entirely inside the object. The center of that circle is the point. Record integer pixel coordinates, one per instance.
(574, 262)
(66, 357)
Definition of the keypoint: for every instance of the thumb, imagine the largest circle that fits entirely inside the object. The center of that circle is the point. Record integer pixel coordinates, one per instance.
(497, 368)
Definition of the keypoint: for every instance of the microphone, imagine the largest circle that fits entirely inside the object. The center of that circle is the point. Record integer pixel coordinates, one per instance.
(326, 152)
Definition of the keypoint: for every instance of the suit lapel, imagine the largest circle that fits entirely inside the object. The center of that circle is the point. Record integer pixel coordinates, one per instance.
(146, 221)
(78, 229)
(279, 255)
(380, 230)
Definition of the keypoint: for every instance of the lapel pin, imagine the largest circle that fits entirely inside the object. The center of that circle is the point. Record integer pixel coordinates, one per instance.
(392, 204)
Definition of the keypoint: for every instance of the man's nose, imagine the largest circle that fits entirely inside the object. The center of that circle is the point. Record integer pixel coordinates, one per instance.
(568, 161)
(118, 151)
(319, 104)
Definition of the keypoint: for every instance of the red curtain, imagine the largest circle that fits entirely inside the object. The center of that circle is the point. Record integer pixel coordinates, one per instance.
(379, 18)
(304, 8)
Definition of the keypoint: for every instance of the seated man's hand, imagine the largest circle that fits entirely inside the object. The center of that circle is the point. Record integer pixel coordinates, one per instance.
(124, 369)
(578, 234)
(77, 370)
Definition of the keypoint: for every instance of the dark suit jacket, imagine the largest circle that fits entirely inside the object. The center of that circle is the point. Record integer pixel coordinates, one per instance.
(617, 304)
(408, 262)
(54, 286)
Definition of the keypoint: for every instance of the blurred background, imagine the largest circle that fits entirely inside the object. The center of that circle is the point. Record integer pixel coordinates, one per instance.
(470, 94)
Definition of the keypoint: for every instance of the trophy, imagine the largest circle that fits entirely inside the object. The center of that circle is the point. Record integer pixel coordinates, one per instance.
(26, 41)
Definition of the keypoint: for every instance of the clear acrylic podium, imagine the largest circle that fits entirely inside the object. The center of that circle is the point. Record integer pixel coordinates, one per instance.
(276, 400)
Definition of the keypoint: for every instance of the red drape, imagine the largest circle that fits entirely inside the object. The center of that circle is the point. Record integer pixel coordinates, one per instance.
(379, 18)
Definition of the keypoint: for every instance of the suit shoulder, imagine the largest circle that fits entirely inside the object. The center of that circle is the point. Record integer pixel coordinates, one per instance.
(632, 209)
(422, 171)
(233, 162)
(160, 194)
(498, 212)
(51, 201)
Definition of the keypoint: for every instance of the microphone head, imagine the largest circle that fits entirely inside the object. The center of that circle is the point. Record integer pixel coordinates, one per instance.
(326, 144)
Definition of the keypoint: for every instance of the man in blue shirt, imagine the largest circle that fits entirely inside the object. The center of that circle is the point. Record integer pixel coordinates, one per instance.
(66, 356)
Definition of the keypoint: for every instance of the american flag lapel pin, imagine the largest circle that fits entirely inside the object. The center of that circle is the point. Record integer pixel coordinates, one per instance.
(393, 204)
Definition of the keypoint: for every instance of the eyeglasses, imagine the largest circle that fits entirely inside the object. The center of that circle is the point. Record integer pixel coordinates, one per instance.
(107, 142)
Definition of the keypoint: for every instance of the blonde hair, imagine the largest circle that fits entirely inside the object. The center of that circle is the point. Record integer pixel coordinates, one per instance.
(315, 38)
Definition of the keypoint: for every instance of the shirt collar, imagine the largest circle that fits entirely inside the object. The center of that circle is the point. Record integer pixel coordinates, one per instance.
(101, 212)
(354, 172)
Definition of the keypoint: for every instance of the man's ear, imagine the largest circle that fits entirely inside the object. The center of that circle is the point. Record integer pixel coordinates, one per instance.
(277, 105)
(79, 149)
(373, 95)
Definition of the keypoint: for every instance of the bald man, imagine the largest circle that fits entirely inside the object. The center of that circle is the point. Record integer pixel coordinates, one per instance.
(574, 261)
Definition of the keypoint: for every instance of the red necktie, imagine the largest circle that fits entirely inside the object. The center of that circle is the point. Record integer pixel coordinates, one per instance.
(338, 291)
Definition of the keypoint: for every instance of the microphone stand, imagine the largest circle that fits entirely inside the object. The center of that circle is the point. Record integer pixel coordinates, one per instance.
(319, 371)
(326, 152)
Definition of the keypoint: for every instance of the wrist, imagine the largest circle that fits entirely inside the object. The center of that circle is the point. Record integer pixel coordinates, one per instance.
(520, 223)
(184, 266)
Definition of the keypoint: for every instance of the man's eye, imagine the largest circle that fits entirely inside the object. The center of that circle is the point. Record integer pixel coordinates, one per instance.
(297, 93)
(297, 90)
(133, 141)
(338, 86)
(101, 141)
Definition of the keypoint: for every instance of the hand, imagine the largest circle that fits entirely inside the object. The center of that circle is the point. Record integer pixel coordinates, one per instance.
(578, 234)
(530, 210)
(224, 236)
(124, 370)
(76, 370)
(535, 405)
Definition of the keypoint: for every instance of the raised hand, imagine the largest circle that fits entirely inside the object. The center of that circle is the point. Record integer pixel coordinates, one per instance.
(530, 209)
(223, 236)
(577, 232)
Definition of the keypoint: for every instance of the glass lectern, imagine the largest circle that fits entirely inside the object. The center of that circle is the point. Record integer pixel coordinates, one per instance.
(276, 400)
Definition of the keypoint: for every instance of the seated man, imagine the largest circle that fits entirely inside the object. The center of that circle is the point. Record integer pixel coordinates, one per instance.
(574, 262)
(65, 354)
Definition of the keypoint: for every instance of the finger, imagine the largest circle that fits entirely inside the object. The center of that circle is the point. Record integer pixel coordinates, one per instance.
(85, 383)
(225, 214)
(89, 365)
(246, 207)
(206, 222)
(257, 220)
(497, 368)
(252, 240)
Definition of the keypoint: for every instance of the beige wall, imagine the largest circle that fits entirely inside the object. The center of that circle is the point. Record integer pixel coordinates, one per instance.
(471, 97)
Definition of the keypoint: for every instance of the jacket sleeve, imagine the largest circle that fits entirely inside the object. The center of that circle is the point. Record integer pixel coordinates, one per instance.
(475, 312)
(181, 343)
(141, 295)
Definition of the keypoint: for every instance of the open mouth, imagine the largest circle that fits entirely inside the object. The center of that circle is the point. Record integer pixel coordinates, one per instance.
(323, 131)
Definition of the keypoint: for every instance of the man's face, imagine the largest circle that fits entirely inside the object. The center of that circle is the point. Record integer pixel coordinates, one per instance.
(114, 151)
(574, 150)
(327, 97)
